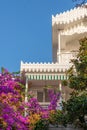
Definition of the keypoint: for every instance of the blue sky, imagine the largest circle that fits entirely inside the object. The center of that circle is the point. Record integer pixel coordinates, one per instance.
(26, 30)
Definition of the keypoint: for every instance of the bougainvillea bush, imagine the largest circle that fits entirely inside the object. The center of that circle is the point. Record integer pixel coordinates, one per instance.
(39, 118)
(12, 106)
(11, 99)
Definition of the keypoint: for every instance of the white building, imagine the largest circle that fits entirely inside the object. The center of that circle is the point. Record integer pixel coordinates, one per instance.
(67, 29)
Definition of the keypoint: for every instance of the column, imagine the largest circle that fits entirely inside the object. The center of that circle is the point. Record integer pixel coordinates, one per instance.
(58, 56)
(60, 88)
(26, 95)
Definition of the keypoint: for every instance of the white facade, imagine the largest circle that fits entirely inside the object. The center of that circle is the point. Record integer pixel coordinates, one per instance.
(67, 29)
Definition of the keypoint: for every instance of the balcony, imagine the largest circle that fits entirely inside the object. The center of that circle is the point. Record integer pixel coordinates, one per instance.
(65, 57)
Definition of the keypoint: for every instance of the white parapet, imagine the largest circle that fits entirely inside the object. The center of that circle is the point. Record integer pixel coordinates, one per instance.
(44, 67)
(80, 28)
(70, 15)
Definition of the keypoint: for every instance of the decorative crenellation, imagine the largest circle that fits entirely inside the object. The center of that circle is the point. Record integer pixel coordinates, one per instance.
(70, 15)
(43, 67)
(80, 28)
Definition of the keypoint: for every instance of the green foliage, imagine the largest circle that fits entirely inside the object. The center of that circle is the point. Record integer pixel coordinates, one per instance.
(64, 83)
(41, 125)
(78, 72)
(76, 106)
(58, 118)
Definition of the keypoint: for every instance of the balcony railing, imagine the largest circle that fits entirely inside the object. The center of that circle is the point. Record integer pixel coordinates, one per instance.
(65, 57)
